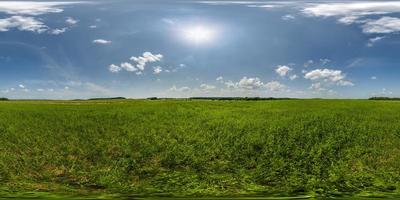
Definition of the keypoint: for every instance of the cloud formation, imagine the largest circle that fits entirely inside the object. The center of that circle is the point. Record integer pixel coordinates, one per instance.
(147, 57)
(25, 12)
(32, 7)
(23, 24)
(360, 13)
(157, 70)
(324, 78)
(71, 21)
(139, 65)
(283, 70)
(101, 41)
(382, 25)
(252, 83)
(114, 68)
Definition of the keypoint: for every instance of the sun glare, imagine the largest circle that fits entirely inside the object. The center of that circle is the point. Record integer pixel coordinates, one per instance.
(199, 34)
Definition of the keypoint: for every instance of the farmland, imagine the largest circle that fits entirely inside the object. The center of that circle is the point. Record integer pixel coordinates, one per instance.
(200, 147)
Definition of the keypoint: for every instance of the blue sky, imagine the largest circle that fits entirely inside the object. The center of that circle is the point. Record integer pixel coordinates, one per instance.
(165, 48)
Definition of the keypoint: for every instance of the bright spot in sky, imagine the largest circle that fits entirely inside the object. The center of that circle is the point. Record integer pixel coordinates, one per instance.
(199, 34)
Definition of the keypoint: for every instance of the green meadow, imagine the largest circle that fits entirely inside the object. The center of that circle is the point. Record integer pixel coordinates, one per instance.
(201, 148)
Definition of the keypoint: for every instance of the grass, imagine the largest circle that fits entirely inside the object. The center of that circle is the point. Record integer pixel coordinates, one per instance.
(201, 148)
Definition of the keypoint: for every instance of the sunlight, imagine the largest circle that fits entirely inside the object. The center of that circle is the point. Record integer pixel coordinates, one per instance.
(199, 34)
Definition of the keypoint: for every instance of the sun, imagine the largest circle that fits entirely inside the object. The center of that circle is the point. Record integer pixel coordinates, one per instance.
(199, 34)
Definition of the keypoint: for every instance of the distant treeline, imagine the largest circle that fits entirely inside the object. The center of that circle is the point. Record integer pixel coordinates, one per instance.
(385, 98)
(110, 98)
(225, 98)
(3, 99)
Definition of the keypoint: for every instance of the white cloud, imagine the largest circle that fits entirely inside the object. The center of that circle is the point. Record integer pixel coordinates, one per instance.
(332, 75)
(359, 13)
(373, 78)
(323, 78)
(23, 24)
(207, 87)
(147, 57)
(21, 86)
(101, 41)
(288, 17)
(92, 26)
(140, 63)
(157, 70)
(374, 40)
(349, 20)
(32, 7)
(382, 25)
(128, 67)
(114, 68)
(24, 11)
(57, 31)
(71, 21)
(181, 89)
(351, 8)
(293, 77)
(283, 70)
(250, 83)
(274, 86)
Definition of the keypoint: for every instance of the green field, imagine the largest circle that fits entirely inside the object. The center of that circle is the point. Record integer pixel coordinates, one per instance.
(201, 148)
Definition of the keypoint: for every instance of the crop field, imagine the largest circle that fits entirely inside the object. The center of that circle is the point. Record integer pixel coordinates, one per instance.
(200, 147)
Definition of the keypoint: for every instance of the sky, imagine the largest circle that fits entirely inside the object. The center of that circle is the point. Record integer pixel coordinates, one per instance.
(167, 48)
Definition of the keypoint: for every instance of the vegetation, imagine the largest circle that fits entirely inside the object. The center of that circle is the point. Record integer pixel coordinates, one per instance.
(385, 98)
(3, 99)
(313, 147)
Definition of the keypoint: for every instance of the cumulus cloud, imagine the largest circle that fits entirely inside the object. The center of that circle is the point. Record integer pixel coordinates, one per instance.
(283, 70)
(157, 70)
(128, 67)
(147, 57)
(24, 12)
(71, 21)
(250, 83)
(21, 86)
(23, 24)
(101, 41)
(139, 64)
(323, 78)
(373, 78)
(274, 86)
(114, 68)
